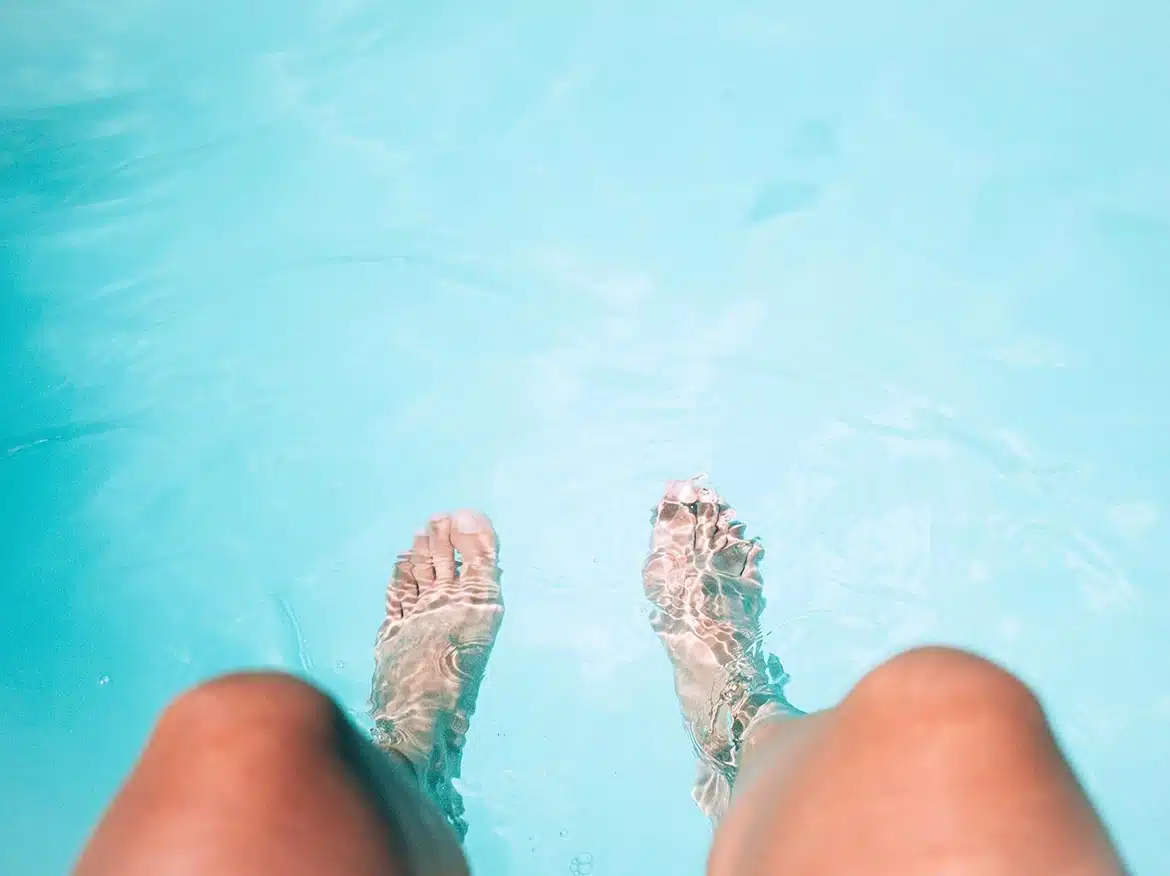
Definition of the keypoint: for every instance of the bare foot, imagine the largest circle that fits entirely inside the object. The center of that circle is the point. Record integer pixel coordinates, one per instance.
(703, 579)
(443, 610)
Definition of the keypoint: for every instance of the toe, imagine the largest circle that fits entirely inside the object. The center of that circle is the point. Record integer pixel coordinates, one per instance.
(405, 584)
(755, 554)
(401, 581)
(442, 551)
(474, 537)
(723, 533)
(733, 559)
(707, 516)
(682, 492)
(674, 524)
(422, 570)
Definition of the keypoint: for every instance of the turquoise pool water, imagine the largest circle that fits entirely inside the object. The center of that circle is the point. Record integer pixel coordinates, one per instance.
(282, 279)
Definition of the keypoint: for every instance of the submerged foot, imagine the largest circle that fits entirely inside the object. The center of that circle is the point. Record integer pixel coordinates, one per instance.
(443, 610)
(703, 579)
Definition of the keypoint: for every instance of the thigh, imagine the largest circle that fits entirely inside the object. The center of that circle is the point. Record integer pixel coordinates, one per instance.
(937, 762)
(257, 775)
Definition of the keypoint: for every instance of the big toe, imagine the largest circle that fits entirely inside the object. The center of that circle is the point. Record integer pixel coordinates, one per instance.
(472, 534)
(683, 492)
(674, 518)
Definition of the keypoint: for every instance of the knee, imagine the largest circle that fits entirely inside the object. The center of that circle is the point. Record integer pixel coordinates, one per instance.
(937, 688)
(255, 710)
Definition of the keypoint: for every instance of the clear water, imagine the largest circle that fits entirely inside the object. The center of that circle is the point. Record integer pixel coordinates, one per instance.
(282, 278)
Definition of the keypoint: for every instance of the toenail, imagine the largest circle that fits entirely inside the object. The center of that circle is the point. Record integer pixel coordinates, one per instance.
(470, 522)
(683, 492)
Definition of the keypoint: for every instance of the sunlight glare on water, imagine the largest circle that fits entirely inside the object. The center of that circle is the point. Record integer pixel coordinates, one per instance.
(282, 279)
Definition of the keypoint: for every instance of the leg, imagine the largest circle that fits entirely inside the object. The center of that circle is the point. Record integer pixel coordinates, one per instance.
(937, 762)
(252, 775)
